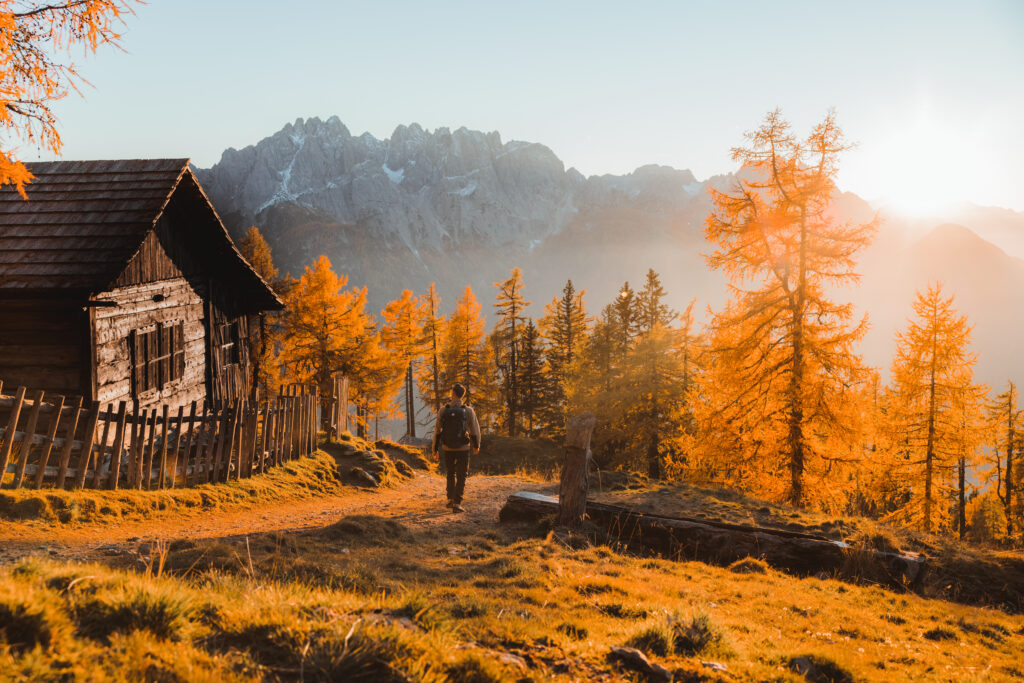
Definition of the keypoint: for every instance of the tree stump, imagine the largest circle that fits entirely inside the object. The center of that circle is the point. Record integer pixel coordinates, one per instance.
(572, 491)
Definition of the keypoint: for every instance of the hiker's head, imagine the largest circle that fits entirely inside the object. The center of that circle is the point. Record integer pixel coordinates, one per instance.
(458, 391)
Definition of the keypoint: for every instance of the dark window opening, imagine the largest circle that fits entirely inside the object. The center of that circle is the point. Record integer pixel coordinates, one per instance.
(158, 356)
(230, 343)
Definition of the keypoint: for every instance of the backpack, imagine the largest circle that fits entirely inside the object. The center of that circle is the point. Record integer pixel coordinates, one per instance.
(453, 427)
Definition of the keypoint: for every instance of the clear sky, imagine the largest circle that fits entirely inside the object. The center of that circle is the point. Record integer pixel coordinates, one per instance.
(933, 91)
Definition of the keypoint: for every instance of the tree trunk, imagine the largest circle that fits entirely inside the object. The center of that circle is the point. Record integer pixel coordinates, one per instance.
(930, 448)
(962, 512)
(796, 409)
(572, 490)
(653, 458)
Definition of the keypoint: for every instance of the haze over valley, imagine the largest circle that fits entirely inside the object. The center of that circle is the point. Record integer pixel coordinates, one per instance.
(460, 207)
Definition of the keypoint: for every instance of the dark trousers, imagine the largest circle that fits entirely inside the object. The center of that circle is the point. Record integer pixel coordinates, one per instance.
(456, 465)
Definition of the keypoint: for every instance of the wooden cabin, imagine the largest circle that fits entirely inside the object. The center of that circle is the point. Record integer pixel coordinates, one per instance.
(118, 281)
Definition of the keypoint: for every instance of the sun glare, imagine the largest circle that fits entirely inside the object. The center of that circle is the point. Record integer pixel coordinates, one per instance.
(926, 165)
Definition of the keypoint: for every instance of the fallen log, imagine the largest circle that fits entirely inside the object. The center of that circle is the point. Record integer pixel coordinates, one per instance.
(724, 543)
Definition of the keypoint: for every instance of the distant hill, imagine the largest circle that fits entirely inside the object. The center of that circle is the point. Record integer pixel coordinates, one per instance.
(463, 207)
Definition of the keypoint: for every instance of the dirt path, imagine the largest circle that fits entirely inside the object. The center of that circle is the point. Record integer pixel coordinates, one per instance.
(418, 503)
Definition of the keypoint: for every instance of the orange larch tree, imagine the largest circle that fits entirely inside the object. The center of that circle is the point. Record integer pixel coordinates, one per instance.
(936, 407)
(784, 349)
(403, 333)
(429, 375)
(32, 76)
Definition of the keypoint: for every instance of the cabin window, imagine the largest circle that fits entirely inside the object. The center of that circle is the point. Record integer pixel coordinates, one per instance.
(231, 343)
(158, 356)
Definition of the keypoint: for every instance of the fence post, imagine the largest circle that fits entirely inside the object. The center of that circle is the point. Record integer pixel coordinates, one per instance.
(103, 448)
(26, 441)
(69, 440)
(119, 437)
(51, 435)
(12, 426)
(88, 439)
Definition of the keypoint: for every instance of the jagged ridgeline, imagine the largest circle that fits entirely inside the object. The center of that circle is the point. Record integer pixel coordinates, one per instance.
(463, 207)
(459, 207)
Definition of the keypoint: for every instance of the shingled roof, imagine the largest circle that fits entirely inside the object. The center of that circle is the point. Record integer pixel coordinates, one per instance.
(84, 220)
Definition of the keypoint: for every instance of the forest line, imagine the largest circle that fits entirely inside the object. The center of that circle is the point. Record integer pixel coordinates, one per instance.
(769, 396)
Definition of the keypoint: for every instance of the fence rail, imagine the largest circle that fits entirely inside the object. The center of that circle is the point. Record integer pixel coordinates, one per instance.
(60, 442)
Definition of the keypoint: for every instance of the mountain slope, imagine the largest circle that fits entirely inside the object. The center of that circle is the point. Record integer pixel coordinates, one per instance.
(462, 207)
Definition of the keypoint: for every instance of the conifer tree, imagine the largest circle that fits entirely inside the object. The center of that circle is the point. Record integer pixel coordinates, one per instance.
(651, 310)
(625, 314)
(327, 330)
(653, 394)
(1004, 415)
(266, 369)
(429, 376)
(936, 404)
(402, 333)
(534, 382)
(506, 339)
(563, 327)
(784, 350)
(465, 357)
(34, 35)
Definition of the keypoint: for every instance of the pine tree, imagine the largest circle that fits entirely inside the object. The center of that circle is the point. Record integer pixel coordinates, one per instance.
(654, 394)
(534, 382)
(651, 310)
(563, 327)
(429, 376)
(506, 339)
(403, 334)
(625, 317)
(783, 349)
(936, 403)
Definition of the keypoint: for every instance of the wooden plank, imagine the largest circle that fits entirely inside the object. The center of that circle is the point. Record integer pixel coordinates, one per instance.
(260, 439)
(108, 419)
(26, 442)
(51, 435)
(210, 446)
(223, 439)
(119, 439)
(189, 443)
(12, 426)
(147, 462)
(135, 450)
(87, 443)
(175, 451)
(163, 449)
(234, 439)
(65, 454)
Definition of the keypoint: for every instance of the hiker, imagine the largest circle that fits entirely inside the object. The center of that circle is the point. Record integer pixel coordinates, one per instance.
(456, 434)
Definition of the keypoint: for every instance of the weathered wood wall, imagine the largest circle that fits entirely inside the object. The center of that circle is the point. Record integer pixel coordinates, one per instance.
(137, 309)
(44, 343)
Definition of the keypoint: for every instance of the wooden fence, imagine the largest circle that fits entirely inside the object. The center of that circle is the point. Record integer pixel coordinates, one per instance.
(59, 442)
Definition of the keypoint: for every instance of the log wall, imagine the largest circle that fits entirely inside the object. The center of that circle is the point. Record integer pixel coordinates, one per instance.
(141, 306)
